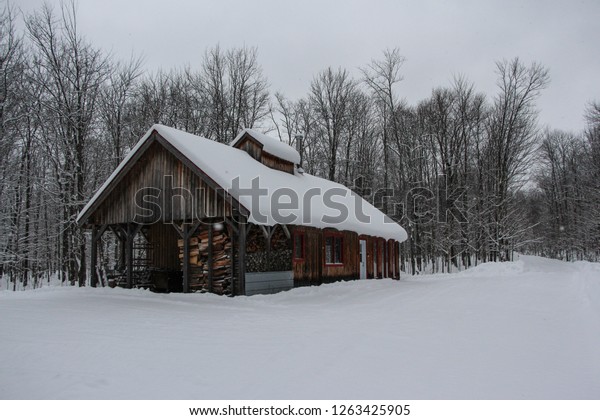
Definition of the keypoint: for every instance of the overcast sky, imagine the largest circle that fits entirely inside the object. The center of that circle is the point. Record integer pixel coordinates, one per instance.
(297, 39)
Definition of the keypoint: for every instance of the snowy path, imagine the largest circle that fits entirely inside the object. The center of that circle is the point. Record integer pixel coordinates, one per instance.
(528, 329)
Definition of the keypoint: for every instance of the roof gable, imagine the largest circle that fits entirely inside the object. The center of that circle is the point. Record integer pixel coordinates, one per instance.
(152, 135)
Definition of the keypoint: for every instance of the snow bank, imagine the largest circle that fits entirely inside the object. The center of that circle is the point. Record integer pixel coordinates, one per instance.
(532, 334)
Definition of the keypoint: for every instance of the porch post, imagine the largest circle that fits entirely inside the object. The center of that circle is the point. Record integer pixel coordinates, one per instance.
(132, 230)
(186, 258)
(129, 255)
(185, 232)
(242, 256)
(94, 257)
(210, 257)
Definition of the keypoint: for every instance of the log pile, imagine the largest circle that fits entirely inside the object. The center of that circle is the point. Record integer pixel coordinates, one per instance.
(260, 259)
(199, 265)
(255, 240)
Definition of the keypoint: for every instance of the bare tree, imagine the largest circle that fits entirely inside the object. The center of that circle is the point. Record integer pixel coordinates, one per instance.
(11, 68)
(234, 90)
(512, 131)
(115, 106)
(381, 77)
(70, 73)
(330, 93)
(13, 157)
(293, 121)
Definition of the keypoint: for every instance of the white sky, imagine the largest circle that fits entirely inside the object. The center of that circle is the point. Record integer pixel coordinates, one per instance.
(297, 39)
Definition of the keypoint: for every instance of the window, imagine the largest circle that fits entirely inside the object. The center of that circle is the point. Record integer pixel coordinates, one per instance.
(298, 246)
(334, 249)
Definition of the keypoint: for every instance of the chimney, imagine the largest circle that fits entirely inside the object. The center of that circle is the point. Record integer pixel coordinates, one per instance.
(300, 146)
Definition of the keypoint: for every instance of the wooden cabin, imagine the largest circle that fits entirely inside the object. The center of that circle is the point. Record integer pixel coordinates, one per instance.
(191, 214)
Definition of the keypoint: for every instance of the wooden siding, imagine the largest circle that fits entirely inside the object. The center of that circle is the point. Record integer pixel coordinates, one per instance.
(164, 252)
(309, 270)
(169, 178)
(313, 270)
(274, 162)
(250, 146)
(350, 267)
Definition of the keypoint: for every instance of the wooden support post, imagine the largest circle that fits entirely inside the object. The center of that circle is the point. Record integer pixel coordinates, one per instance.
(121, 235)
(286, 231)
(122, 253)
(185, 232)
(101, 231)
(242, 257)
(129, 255)
(96, 236)
(94, 257)
(186, 258)
(268, 233)
(232, 231)
(132, 231)
(210, 257)
(232, 225)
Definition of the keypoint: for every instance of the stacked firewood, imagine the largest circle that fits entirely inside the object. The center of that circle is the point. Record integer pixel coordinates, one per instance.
(221, 261)
(262, 261)
(255, 240)
(260, 258)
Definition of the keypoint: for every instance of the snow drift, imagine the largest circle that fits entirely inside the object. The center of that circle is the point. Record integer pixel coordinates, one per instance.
(528, 329)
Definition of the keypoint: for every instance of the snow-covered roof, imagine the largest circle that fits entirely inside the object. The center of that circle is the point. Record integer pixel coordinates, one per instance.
(270, 145)
(314, 201)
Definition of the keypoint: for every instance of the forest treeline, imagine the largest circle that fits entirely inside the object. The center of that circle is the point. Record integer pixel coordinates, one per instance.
(471, 177)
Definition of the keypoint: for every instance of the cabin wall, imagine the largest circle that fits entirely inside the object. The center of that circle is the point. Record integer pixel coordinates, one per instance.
(309, 270)
(274, 162)
(251, 147)
(349, 269)
(312, 270)
(181, 193)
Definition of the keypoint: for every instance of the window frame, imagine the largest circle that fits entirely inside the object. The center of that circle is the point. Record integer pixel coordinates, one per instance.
(335, 236)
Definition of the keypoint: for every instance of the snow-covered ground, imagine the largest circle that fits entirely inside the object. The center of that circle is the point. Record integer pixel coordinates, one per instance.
(527, 329)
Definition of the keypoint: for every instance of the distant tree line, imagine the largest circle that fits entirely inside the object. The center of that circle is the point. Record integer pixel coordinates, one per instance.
(472, 178)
